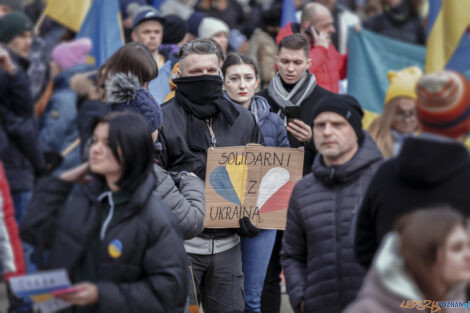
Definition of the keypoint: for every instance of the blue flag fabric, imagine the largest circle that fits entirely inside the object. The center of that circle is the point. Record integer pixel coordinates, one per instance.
(103, 26)
(371, 56)
(288, 12)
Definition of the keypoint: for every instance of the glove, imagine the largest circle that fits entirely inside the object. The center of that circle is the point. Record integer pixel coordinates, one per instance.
(247, 229)
(53, 161)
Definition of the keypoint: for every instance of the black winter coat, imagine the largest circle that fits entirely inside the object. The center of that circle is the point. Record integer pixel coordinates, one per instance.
(22, 153)
(149, 276)
(176, 154)
(306, 115)
(317, 252)
(408, 29)
(427, 172)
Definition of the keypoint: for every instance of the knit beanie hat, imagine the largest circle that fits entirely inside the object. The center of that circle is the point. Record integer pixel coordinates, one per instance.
(193, 23)
(211, 26)
(346, 106)
(174, 29)
(403, 83)
(444, 104)
(15, 5)
(124, 93)
(14, 24)
(68, 54)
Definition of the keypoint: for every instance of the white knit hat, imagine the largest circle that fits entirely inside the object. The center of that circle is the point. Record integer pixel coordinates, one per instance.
(211, 26)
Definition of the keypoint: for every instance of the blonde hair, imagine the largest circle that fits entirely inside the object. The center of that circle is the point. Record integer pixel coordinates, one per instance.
(381, 128)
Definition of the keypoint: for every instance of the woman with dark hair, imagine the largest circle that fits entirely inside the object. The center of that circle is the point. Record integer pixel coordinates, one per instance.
(427, 257)
(120, 244)
(241, 78)
(133, 59)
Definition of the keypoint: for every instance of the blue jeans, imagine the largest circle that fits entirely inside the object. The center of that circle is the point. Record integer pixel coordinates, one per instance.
(256, 253)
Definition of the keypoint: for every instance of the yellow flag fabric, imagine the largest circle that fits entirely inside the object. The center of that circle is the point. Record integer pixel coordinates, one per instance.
(69, 13)
(452, 19)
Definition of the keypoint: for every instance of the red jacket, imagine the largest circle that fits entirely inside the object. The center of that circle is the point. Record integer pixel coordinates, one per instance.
(328, 65)
(10, 244)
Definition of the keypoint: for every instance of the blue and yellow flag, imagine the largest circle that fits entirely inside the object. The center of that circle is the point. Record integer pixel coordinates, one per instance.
(103, 26)
(288, 12)
(69, 13)
(371, 57)
(448, 40)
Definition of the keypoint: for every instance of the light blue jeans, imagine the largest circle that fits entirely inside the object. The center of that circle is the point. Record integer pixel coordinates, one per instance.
(256, 253)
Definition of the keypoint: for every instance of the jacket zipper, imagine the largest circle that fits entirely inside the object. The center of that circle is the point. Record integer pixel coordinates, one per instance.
(211, 131)
(338, 239)
(108, 219)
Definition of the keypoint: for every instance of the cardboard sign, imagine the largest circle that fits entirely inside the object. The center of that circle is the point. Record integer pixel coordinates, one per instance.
(253, 181)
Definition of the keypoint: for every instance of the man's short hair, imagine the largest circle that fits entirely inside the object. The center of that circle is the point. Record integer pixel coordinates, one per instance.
(295, 42)
(198, 46)
(311, 11)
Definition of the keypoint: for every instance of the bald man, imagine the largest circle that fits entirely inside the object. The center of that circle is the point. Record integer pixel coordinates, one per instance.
(317, 25)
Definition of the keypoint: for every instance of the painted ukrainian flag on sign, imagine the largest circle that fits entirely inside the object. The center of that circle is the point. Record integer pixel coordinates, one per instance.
(371, 57)
(448, 40)
(103, 26)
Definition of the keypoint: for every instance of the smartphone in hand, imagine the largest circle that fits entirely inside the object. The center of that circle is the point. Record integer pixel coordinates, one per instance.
(292, 112)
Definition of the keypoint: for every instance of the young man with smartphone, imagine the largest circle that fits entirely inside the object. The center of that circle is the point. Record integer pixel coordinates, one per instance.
(317, 25)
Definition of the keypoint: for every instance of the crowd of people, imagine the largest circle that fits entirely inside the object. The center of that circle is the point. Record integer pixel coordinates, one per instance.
(102, 170)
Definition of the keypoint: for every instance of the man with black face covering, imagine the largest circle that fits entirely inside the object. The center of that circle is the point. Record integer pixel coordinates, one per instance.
(197, 118)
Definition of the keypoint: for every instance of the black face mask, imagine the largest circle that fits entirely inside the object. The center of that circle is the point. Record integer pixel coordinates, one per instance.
(200, 89)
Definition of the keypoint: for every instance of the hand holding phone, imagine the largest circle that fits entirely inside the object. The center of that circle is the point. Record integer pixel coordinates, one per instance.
(292, 113)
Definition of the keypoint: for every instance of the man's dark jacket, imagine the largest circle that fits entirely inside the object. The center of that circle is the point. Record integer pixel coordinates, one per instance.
(427, 172)
(306, 115)
(317, 252)
(21, 155)
(149, 276)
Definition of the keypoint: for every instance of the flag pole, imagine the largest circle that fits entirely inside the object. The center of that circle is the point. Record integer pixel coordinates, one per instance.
(40, 21)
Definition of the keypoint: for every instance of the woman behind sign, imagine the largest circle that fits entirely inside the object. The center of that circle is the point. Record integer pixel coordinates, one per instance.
(240, 81)
(120, 244)
(426, 258)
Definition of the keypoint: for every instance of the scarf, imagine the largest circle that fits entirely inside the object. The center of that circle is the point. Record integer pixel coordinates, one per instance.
(201, 96)
(302, 89)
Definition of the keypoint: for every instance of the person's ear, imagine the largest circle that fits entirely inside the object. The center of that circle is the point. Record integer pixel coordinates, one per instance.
(309, 61)
(134, 36)
(257, 82)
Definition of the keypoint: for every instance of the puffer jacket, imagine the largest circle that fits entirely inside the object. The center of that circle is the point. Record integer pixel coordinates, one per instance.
(388, 287)
(317, 253)
(11, 248)
(187, 201)
(148, 275)
(328, 65)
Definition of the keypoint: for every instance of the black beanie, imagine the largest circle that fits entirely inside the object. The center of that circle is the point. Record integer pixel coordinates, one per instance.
(13, 24)
(346, 106)
(174, 29)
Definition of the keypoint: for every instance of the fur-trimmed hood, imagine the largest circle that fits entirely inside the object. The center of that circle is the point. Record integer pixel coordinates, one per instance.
(85, 86)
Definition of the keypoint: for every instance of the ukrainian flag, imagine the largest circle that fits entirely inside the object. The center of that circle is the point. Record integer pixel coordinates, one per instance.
(448, 40)
(69, 13)
(103, 26)
(288, 12)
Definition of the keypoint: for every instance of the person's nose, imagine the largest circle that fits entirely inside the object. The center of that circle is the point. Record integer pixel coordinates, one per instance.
(327, 130)
(242, 84)
(290, 67)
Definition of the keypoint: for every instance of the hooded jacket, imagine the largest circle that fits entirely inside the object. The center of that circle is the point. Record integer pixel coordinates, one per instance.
(317, 253)
(148, 271)
(430, 170)
(387, 286)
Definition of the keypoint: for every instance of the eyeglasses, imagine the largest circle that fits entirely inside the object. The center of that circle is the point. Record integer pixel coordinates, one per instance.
(406, 115)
